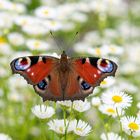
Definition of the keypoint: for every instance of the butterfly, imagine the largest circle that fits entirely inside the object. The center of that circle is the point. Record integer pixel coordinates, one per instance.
(65, 78)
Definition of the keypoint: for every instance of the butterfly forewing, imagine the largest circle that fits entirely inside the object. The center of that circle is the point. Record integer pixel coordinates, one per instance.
(33, 68)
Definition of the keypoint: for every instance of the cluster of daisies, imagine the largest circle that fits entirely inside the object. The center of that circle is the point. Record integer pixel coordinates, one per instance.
(66, 125)
(111, 103)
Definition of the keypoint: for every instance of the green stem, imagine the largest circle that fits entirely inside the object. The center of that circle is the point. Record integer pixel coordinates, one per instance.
(119, 121)
(64, 117)
(42, 131)
(131, 137)
(67, 125)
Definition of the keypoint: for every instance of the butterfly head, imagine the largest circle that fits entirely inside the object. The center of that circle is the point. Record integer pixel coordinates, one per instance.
(64, 57)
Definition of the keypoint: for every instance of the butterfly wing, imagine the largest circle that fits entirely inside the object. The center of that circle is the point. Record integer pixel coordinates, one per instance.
(33, 68)
(41, 72)
(86, 74)
(53, 80)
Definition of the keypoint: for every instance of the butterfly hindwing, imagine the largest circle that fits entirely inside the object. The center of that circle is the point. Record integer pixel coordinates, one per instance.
(88, 73)
(50, 87)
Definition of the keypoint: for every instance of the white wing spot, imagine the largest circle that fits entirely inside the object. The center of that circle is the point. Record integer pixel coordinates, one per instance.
(95, 75)
(99, 72)
(32, 74)
(28, 70)
(40, 59)
(87, 60)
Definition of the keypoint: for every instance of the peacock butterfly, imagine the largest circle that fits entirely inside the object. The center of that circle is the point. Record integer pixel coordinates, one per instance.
(65, 78)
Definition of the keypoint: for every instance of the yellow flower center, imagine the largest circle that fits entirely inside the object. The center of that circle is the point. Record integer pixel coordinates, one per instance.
(79, 129)
(1, 5)
(117, 99)
(111, 110)
(61, 129)
(24, 22)
(14, 6)
(133, 126)
(46, 12)
(37, 44)
(113, 49)
(53, 23)
(2, 40)
(98, 51)
(104, 82)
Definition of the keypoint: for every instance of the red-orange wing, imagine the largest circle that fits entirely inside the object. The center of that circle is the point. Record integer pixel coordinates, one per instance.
(87, 73)
(33, 68)
(41, 72)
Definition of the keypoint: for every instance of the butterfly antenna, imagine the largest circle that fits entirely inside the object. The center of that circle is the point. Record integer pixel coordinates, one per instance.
(69, 49)
(55, 40)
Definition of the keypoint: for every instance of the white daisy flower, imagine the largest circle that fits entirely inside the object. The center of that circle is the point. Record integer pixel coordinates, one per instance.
(68, 26)
(14, 96)
(53, 25)
(35, 29)
(81, 47)
(81, 106)
(116, 98)
(113, 49)
(35, 44)
(131, 125)
(79, 17)
(5, 48)
(16, 39)
(16, 82)
(42, 111)
(4, 4)
(3, 72)
(12, 6)
(4, 137)
(127, 86)
(67, 103)
(23, 20)
(92, 37)
(111, 136)
(96, 101)
(99, 51)
(107, 82)
(138, 114)
(17, 7)
(110, 110)
(59, 126)
(45, 12)
(87, 47)
(82, 128)
(6, 20)
(138, 105)
(129, 68)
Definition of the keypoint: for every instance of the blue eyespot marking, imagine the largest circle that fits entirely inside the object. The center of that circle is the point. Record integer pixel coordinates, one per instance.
(85, 85)
(105, 65)
(22, 63)
(42, 85)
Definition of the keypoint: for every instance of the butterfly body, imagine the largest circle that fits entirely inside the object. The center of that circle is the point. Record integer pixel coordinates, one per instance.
(65, 78)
